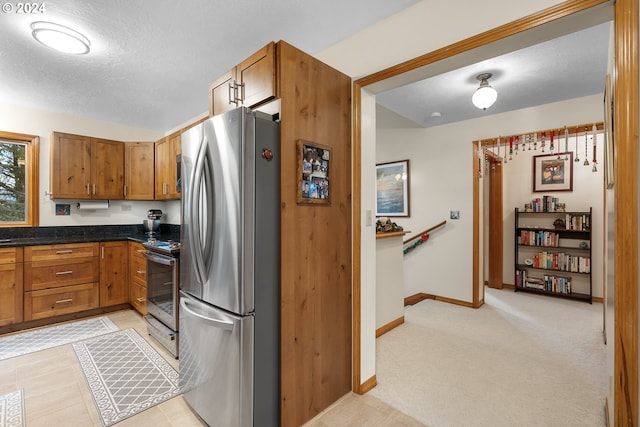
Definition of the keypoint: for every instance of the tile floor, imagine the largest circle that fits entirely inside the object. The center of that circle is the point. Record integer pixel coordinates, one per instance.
(56, 393)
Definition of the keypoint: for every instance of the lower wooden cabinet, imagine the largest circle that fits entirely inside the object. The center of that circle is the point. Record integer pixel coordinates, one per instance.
(11, 286)
(60, 279)
(62, 300)
(43, 281)
(137, 277)
(114, 286)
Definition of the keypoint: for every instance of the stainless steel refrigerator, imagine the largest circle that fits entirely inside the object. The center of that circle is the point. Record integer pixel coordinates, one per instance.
(229, 269)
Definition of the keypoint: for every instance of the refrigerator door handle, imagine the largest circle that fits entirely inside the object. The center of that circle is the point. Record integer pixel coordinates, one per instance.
(201, 228)
(223, 324)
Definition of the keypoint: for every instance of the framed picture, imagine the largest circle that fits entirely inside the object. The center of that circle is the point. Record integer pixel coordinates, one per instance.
(608, 133)
(551, 172)
(314, 164)
(392, 188)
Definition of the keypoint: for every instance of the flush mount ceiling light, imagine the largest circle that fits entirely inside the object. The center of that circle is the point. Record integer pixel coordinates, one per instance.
(485, 95)
(60, 37)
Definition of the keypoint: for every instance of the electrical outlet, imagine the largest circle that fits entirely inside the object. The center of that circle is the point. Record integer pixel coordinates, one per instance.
(454, 215)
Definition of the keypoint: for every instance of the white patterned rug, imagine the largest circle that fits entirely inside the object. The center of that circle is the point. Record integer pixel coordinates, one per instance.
(53, 336)
(12, 409)
(125, 374)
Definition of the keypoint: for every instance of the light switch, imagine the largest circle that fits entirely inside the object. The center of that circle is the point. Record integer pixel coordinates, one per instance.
(368, 218)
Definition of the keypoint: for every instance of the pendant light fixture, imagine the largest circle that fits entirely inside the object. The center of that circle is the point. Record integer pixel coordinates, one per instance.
(485, 95)
(60, 37)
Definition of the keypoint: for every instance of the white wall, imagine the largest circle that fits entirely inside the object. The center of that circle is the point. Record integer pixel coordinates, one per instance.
(442, 174)
(423, 28)
(42, 123)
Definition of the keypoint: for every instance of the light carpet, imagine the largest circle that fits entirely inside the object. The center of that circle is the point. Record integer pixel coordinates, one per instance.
(125, 374)
(519, 360)
(12, 409)
(53, 336)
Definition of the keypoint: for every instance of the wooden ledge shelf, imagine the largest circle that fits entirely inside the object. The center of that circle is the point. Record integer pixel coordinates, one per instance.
(391, 234)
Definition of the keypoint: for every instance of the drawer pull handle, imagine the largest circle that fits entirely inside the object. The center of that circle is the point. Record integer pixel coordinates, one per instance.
(140, 271)
(64, 272)
(141, 250)
(62, 301)
(141, 300)
(67, 251)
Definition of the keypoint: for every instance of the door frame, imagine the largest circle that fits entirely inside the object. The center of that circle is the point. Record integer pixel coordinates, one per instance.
(625, 372)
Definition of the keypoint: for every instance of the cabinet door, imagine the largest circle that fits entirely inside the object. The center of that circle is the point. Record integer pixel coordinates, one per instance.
(137, 277)
(11, 287)
(114, 287)
(70, 166)
(256, 76)
(166, 151)
(221, 93)
(107, 169)
(138, 170)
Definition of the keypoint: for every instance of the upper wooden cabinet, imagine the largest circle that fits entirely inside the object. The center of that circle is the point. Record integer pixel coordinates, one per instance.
(86, 168)
(251, 83)
(166, 167)
(139, 170)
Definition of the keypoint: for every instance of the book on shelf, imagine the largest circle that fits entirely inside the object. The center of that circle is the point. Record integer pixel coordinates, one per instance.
(581, 222)
(538, 238)
(548, 283)
(562, 262)
(545, 204)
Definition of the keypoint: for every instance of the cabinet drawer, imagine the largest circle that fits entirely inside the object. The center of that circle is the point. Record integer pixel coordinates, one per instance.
(139, 269)
(10, 255)
(68, 299)
(54, 252)
(138, 297)
(54, 274)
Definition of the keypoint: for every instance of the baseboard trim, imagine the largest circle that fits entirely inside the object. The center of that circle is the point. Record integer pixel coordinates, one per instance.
(414, 299)
(597, 299)
(508, 286)
(389, 326)
(455, 301)
(368, 385)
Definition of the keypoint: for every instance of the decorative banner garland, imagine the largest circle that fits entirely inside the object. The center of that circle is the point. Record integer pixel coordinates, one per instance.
(417, 243)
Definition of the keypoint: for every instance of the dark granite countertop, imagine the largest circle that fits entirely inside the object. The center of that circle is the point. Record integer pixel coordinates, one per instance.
(31, 236)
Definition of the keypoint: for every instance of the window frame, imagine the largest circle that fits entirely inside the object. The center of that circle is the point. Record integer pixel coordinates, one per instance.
(32, 149)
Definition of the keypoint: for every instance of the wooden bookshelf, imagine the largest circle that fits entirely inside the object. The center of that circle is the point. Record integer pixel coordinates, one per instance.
(553, 259)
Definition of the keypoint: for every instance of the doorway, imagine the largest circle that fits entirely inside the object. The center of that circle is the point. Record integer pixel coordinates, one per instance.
(626, 122)
(494, 224)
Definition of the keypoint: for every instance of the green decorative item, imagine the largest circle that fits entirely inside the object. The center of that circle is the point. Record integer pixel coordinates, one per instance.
(417, 243)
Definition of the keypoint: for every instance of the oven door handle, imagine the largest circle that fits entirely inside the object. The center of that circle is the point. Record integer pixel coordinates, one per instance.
(160, 259)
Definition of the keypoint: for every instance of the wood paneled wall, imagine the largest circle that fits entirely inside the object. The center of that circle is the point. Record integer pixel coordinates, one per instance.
(315, 240)
(625, 121)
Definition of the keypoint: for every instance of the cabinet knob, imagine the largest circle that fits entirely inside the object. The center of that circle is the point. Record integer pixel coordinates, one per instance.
(267, 154)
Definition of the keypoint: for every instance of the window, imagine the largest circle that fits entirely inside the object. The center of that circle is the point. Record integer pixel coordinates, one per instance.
(18, 179)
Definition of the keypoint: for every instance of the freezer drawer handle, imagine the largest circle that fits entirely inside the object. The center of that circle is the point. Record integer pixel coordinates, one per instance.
(219, 323)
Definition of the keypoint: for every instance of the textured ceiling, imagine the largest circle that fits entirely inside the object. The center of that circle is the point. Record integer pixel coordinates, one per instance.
(567, 67)
(151, 62)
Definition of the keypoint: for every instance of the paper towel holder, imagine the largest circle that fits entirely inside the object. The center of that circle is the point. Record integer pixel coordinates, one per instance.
(102, 204)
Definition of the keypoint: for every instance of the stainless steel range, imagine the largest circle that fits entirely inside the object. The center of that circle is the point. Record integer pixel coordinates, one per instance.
(162, 292)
